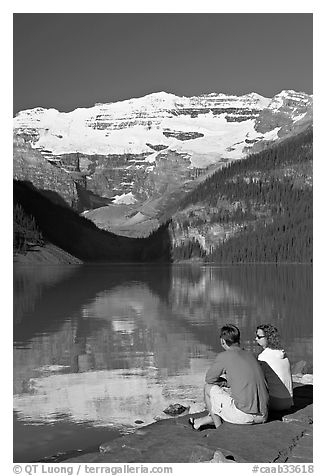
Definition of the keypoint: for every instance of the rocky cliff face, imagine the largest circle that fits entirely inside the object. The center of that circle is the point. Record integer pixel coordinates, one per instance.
(29, 164)
(145, 148)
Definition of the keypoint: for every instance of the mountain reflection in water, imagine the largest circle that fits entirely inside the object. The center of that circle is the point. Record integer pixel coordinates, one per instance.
(103, 346)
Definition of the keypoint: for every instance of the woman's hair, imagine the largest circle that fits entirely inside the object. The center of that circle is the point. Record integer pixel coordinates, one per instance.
(272, 336)
(230, 334)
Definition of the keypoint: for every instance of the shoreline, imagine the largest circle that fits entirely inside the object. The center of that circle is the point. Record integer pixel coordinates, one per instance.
(163, 432)
(285, 437)
(50, 254)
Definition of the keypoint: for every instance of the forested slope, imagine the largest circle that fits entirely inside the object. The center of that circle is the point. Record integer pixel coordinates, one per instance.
(257, 209)
(39, 220)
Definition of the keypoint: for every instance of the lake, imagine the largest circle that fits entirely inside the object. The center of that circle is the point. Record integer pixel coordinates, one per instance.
(99, 347)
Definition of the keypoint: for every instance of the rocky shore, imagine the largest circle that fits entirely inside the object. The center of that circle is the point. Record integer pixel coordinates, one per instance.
(286, 437)
(48, 254)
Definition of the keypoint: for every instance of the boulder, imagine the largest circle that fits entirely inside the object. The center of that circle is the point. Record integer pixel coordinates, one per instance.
(303, 379)
(299, 367)
(175, 409)
(200, 454)
(220, 458)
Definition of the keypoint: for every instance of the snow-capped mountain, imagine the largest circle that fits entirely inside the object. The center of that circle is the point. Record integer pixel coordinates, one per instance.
(145, 146)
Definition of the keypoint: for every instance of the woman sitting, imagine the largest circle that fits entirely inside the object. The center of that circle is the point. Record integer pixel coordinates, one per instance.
(276, 367)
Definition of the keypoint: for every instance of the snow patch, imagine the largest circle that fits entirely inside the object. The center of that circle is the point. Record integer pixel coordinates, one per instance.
(152, 157)
(301, 116)
(125, 198)
(125, 127)
(272, 135)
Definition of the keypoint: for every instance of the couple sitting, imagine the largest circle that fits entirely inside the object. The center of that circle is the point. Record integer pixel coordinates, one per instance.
(241, 390)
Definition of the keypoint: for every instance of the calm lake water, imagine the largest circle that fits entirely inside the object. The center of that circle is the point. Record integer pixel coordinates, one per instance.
(98, 347)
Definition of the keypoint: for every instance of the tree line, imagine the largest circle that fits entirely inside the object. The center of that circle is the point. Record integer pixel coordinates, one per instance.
(26, 234)
(275, 212)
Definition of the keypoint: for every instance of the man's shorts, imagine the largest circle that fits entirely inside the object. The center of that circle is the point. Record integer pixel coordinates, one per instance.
(223, 406)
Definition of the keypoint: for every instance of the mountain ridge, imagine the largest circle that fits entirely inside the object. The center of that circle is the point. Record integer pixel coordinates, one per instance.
(145, 150)
(100, 129)
(165, 94)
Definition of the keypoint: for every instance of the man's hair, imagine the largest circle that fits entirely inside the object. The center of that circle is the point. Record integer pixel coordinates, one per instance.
(230, 334)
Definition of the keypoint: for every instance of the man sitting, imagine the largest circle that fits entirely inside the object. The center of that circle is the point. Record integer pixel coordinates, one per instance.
(245, 401)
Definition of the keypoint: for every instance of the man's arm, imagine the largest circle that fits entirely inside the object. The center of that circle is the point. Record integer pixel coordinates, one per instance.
(216, 370)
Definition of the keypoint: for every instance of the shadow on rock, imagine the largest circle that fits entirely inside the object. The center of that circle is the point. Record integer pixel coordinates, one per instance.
(302, 397)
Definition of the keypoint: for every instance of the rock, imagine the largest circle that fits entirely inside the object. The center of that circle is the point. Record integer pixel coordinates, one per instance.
(161, 416)
(141, 432)
(47, 254)
(197, 407)
(304, 379)
(139, 422)
(105, 448)
(175, 409)
(220, 458)
(201, 454)
(110, 446)
(31, 385)
(298, 367)
(183, 135)
(168, 442)
(304, 416)
(61, 456)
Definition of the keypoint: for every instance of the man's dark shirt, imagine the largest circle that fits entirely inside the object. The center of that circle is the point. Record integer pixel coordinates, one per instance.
(244, 376)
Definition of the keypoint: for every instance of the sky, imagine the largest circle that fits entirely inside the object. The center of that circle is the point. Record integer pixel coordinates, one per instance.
(69, 60)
